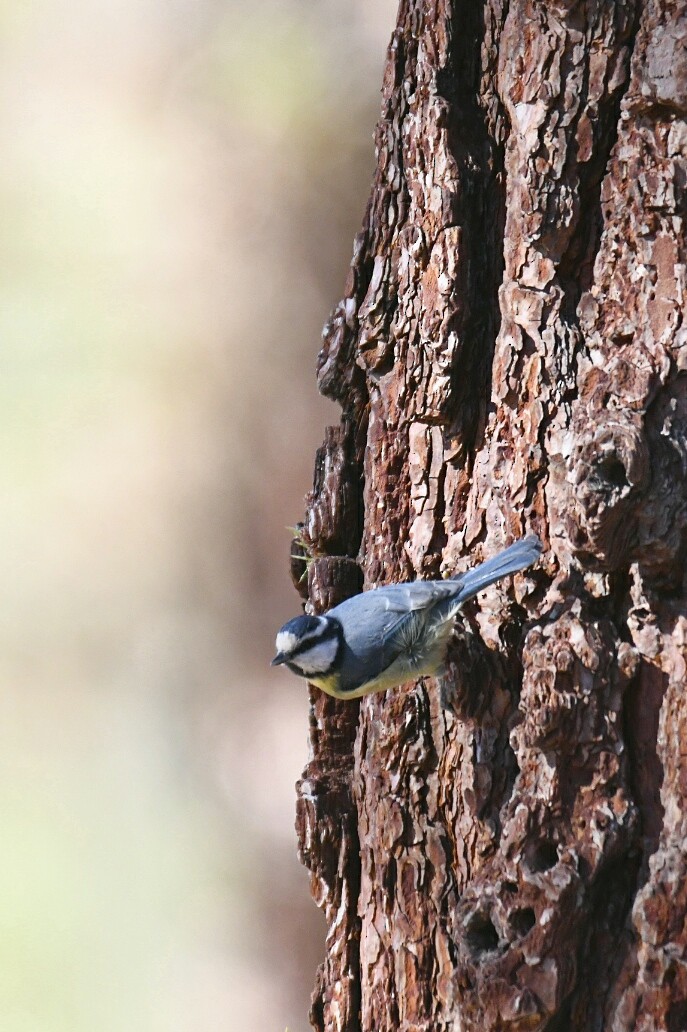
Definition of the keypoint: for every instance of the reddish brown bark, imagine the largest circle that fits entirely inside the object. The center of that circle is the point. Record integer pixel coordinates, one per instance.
(508, 849)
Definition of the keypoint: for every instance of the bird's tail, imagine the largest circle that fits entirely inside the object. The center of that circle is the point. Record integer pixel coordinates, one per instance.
(516, 557)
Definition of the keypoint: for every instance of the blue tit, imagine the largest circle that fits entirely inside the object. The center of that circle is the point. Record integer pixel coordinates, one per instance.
(389, 635)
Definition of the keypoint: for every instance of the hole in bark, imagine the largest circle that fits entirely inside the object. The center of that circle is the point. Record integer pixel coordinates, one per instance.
(522, 921)
(389, 878)
(510, 886)
(541, 856)
(613, 472)
(561, 1021)
(677, 1016)
(481, 936)
(641, 719)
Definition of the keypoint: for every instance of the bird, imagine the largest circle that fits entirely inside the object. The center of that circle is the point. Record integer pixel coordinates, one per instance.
(389, 635)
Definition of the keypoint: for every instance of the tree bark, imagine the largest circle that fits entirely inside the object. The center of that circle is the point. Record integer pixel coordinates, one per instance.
(507, 848)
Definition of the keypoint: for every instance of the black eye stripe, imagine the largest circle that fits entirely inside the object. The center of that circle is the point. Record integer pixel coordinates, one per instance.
(332, 632)
(310, 643)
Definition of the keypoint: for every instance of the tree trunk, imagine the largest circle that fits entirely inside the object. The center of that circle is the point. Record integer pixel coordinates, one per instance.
(506, 848)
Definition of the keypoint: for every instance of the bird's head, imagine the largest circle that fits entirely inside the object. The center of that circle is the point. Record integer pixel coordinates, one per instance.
(308, 645)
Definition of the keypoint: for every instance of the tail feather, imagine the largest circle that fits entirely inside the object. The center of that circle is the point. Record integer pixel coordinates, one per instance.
(516, 557)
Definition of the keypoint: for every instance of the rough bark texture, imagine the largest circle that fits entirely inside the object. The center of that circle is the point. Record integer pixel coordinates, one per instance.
(507, 849)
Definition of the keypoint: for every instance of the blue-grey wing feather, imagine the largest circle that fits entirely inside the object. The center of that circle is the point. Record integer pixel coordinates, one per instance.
(381, 623)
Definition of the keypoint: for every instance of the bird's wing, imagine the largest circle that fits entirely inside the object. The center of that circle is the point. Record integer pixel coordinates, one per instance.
(384, 622)
(405, 598)
(386, 608)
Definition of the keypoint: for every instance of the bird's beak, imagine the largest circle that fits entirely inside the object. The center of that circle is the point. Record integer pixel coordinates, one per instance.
(280, 658)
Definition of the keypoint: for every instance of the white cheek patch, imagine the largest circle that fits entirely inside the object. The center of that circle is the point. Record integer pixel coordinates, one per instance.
(319, 658)
(286, 642)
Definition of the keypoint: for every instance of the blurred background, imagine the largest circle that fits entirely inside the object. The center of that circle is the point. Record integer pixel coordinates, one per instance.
(181, 182)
